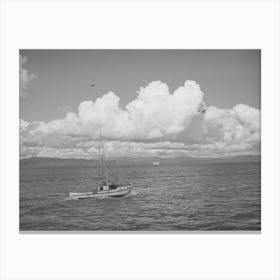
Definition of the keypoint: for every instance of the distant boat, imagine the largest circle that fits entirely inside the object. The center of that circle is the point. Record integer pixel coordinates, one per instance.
(109, 185)
(156, 163)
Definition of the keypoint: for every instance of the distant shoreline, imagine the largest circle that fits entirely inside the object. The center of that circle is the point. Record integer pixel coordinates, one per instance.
(40, 162)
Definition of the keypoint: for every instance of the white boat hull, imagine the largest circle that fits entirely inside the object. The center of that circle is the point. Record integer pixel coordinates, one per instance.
(119, 192)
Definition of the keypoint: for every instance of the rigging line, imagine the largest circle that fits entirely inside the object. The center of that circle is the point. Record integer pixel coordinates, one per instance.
(116, 177)
(100, 167)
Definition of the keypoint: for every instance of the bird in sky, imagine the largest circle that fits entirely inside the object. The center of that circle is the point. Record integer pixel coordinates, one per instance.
(203, 108)
(92, 85)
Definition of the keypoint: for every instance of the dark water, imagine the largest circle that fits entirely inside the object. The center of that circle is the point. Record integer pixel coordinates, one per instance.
(223, 196)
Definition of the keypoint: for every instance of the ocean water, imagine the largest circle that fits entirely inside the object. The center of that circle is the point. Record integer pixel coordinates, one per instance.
(189, 197)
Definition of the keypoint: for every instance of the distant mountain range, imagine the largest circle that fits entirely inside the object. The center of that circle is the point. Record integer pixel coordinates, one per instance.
(39, 162)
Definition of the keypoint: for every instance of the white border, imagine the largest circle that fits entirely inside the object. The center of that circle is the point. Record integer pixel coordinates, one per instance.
(155, 24)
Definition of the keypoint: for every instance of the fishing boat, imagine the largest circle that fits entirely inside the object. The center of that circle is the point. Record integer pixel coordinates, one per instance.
(109, 183)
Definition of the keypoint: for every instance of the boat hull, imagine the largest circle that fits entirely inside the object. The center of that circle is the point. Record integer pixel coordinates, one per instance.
(119, 192)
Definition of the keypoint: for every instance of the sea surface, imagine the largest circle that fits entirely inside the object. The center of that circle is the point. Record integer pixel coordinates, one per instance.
(189, 197)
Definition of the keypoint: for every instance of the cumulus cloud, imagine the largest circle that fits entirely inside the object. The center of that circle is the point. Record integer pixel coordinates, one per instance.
(24, 76)
(156, 123)
(239, 124)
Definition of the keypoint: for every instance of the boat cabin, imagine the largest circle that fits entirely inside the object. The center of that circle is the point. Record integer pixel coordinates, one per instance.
(108, 186)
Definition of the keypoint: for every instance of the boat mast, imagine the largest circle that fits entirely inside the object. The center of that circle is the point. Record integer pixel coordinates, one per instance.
(103, 172)
(100, 173)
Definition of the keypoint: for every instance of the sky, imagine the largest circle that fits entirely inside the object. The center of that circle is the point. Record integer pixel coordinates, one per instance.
(147, 102)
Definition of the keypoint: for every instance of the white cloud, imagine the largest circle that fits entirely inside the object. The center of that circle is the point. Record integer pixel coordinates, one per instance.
(24, 76)
(153, 114)
(237, 125)
(156, 123)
